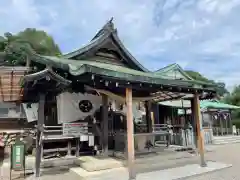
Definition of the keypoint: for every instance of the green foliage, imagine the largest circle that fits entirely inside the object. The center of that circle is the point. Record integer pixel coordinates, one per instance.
(196, 75)
(234, 98)
(20, 46)
(40, 41)
(221, 89)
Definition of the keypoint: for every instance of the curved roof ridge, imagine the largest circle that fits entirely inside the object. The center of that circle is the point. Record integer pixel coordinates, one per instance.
(107, 28)
(166, 67)
(171, 67)
(107, 31)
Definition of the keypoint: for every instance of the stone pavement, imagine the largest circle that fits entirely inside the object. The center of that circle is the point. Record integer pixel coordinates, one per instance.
(228, 154)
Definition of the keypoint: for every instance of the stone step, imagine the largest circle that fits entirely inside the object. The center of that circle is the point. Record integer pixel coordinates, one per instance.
(167, 174)
(142, 165)
(97, 163)
(220, 140)
(225, 137)
(226, 142)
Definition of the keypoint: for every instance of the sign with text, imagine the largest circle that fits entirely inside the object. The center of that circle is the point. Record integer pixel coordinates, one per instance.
(75, 129)
(18, 156)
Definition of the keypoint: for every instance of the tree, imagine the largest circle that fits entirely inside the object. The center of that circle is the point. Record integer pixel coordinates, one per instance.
(234, 99)
(196, 76)
(221, 87)
(41, 42)
(18, 47)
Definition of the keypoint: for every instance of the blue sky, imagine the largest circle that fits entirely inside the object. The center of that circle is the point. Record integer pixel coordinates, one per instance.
(202, 35)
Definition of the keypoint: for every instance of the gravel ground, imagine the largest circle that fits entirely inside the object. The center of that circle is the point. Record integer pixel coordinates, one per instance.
(221, 153)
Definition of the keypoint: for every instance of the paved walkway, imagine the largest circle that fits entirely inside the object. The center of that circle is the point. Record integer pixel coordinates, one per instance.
(222, 153)
(228, 153)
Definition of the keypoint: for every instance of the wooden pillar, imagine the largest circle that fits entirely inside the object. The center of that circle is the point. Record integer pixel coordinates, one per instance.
(40, 123)
(193, 123)
(69, 148)
(148, 116)
(197, 115)
(105, 124)
(230, 122)
(221, 123)
(130, 135)
(226, 123)
(77, 147)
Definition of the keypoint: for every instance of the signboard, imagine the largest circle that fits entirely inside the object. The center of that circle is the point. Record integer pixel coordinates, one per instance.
(75, 129)
(18, 156)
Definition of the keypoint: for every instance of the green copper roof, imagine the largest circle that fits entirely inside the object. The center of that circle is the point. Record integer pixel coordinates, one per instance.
(76, 67)
(173, 67)
(216, 105)
(204, 104)
(107, 34)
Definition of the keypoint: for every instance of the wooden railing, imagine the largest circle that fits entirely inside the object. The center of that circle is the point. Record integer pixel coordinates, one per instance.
(52, 134)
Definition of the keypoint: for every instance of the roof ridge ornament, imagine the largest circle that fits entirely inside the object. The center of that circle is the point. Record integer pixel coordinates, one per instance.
(109, 25)
(107, 28)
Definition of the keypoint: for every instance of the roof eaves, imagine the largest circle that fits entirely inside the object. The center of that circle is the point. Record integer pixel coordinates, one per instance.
(166, 68)
(44, 73)
(172, 67)
(87, 47)
(80, 67)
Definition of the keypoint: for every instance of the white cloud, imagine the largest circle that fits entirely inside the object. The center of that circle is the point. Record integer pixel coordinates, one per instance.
(201, 35)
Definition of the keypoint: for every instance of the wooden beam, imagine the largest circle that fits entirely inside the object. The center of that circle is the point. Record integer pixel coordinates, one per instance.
(40, 123)
(197, 115)
(105, 124)
(130, 135)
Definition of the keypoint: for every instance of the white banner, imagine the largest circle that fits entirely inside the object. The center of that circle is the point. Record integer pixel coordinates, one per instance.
(76, 106)
(31, 111)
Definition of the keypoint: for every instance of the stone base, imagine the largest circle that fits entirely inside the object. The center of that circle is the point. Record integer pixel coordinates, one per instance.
(167, 174)
(95, 163)
(96, 174)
